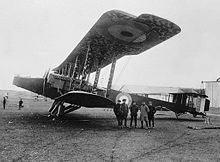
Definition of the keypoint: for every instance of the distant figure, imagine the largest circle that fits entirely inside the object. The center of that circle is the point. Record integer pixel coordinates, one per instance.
(118, 113)
(4, 102)
(144, 114)
(207, 120)
(36, 98)
(151, 114)
(124, 108)
(6, 95)
(133, 110)
(20, 104)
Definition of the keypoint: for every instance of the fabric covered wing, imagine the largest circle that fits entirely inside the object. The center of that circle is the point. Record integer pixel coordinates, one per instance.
(117, 33)
(85, 99)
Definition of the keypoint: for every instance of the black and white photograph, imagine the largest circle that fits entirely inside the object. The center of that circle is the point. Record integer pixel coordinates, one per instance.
(109, 81)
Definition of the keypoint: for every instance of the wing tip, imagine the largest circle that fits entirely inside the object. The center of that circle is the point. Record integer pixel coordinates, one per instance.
(171, 27)
(147, 17)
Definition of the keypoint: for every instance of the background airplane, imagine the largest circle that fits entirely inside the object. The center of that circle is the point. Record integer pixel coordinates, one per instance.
(113, 36)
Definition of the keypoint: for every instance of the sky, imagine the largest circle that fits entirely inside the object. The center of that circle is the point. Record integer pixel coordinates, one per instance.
(36, 35)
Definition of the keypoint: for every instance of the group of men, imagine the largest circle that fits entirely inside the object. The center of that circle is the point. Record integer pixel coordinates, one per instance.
(146, 113)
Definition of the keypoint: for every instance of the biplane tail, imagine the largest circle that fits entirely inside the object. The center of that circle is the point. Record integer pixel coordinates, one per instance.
(32, 84)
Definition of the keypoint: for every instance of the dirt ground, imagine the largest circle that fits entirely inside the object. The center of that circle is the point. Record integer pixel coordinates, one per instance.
(92, 135)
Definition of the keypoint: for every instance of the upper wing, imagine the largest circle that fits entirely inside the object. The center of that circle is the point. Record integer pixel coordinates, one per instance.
(117, 33)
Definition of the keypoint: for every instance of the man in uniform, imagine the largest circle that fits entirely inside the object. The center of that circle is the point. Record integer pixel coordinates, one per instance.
(144, 114)
(20, 104)
(4, 102)
(118, 113)
(133, 111)
(151, 114)
(124, 108)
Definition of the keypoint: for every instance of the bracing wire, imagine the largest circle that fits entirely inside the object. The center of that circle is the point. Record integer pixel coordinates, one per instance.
(123, 69)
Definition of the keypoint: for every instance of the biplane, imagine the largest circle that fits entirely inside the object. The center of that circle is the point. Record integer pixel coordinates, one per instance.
(114, 35)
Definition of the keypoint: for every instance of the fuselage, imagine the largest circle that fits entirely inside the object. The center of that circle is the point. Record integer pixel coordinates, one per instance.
(53, 88)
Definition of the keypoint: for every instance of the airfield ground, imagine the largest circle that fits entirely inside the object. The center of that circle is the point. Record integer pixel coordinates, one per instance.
(92, 135)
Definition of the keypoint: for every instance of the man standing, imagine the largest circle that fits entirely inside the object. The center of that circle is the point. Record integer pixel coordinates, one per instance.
(4, 102)
(20, 104)
(124, 108)
(133, 111)
(118, 113)
(144, 114)
(151, 114)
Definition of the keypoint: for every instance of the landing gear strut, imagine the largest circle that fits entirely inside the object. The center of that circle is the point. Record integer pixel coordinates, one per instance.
(58, 109)
(178, 114)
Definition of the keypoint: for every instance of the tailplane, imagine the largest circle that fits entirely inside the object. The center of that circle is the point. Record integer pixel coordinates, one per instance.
(32, 84)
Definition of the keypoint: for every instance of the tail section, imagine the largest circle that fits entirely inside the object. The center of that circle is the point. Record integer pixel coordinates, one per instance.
(32, 84)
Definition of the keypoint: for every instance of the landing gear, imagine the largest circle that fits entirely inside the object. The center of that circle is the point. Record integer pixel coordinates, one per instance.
(58, 109)
(178, 114)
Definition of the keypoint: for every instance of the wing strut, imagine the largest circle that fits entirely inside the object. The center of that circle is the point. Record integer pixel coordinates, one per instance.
(74, 74)
(69, 69)
(84, 74)
(87, 79)
(114, 59)
(97, 74)
(65, 70)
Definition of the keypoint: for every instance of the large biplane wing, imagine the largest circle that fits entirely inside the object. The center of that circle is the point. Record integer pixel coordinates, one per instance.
(117, 34)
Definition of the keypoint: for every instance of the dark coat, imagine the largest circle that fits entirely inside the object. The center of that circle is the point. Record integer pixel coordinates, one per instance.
(124, 108)
(20, 103)
(152, 110)
(117, 109)
(134, 110)
(4, 101)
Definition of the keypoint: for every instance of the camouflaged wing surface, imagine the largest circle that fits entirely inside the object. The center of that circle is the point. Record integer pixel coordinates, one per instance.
(117, 33)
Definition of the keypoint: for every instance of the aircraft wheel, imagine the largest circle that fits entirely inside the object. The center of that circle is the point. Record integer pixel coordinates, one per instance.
(177, 115)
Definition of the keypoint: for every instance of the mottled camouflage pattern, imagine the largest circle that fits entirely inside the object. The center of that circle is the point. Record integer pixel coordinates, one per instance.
(103, 44)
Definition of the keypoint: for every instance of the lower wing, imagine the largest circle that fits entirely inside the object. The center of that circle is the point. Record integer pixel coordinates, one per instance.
(85, 99)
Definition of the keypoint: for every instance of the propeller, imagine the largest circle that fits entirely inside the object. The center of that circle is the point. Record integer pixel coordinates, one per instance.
(45, 77)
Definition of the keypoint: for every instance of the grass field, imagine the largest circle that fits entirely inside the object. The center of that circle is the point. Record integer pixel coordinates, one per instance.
(93, 135)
